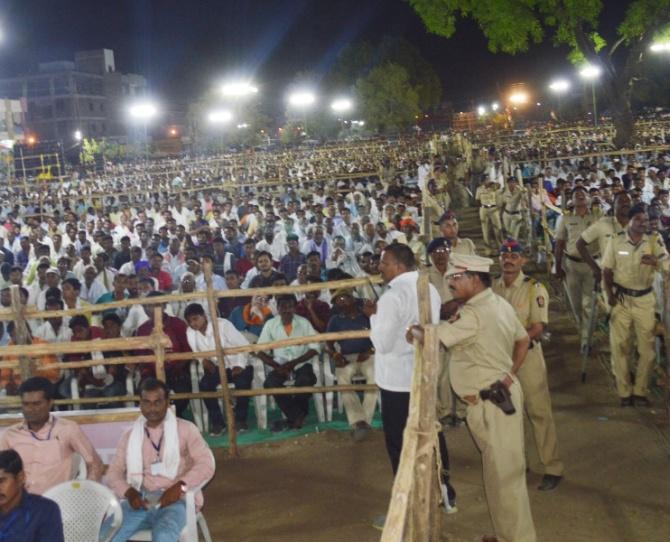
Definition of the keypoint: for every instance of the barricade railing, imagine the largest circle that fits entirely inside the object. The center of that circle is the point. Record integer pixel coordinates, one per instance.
(157, 342)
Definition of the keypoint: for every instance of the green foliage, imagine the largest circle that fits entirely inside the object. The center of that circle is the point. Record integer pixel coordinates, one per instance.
(89, 149)
(291, 133)
(322, 124)
(358, 60)
(386, 98)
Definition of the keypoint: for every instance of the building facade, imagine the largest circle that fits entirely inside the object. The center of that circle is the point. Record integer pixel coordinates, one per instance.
(86, 96)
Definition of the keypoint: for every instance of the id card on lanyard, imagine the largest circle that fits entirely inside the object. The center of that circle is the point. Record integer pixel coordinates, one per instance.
(157, 467)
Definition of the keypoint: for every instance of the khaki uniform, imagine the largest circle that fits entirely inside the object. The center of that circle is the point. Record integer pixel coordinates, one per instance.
(489, 215)
(481, 339)
(464, 246)
(601, 232)
(447, 403)
(634, 311)
(578, 275)
(513, 213)
(530, 301)
(435, 205)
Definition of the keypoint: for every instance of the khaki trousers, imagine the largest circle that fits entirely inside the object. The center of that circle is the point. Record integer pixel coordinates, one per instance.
(500, 440)
(490, 218)
(633, 318)
(537, 404)
(448, 403)
(512, 223)
(355, 410)
(580, 283)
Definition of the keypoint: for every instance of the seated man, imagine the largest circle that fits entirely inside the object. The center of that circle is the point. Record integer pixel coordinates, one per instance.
(353, 357)
(24, 517)
(177, 372)
(46, 443)
(289, 360)
(200, 337)
(156, 462)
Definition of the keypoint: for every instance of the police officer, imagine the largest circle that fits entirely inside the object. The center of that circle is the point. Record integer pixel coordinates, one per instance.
(530, 300)
(488, 345)
(488, 195)
(449, 229)
(569, 264)
(513, 205)
(629, 264)
(449, 407)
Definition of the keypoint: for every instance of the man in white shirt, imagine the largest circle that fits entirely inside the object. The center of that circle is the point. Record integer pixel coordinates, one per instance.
(200, 336)
(390, 317)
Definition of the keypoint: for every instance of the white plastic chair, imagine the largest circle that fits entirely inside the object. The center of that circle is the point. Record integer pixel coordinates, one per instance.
(260, 401)
(84, 505)
(330, 380)
(194, 520)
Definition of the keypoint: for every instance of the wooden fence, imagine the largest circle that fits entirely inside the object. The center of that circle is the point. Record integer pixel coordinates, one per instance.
(158, 342)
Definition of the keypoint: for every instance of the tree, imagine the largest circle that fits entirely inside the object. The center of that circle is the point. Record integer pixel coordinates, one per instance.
(511, 26)
(387, 99)
(359, 59)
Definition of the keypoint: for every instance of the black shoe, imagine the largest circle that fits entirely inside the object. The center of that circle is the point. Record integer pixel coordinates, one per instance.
(217, 430)
(242, 427)
(278, 426)
(549, 482)
(641, 401)
(626, 401)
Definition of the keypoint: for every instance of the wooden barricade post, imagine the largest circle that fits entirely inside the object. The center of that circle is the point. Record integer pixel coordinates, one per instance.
(159, 348)
(225, 392)
(20, 331)
(412, 514)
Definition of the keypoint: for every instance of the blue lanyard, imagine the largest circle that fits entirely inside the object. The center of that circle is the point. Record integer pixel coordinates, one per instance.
(34, 435)
(155, 446)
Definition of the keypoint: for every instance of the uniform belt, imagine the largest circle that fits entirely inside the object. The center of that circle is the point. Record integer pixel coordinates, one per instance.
(578, 260)
(471, 399)
(488, 206)
(631, 293)
(512, 212)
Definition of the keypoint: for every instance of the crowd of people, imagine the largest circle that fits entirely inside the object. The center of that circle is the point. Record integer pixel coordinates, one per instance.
(356, 211)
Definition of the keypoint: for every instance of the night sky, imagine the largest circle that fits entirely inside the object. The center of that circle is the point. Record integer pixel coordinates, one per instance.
(185, 47)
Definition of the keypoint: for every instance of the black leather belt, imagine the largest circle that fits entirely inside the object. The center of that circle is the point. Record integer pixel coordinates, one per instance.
(631, 293)
(578, 260)
(512, 212)
(489, 206)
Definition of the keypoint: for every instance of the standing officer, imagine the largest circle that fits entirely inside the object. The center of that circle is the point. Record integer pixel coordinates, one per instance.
(629, 263)
(488, 346)
(513, 206)
(448, 405)
(530, 301)
(488, 195)
(574, 270)
(449, 229)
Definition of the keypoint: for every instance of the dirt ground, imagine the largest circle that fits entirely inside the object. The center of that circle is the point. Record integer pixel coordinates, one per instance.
(326, 488)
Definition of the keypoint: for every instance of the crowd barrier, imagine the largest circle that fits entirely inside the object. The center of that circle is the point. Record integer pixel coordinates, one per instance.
(158, 342)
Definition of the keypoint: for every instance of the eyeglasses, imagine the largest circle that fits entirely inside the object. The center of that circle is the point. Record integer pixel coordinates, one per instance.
(457, 276)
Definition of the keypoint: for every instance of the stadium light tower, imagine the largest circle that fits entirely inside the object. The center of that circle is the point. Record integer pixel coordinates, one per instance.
(302, 99)
(656, 47)
(144, 111)
(592, 73)
(341, 105)
(238, 89)
(219, 116)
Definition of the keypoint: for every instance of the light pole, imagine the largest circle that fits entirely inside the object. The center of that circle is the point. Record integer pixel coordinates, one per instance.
(302, 100)
(559, 87)
(219, 118)
(591, 73)
(144, 112)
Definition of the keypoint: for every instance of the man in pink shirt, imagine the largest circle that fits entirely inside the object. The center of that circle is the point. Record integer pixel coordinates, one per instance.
(156, 462)
(47, 443)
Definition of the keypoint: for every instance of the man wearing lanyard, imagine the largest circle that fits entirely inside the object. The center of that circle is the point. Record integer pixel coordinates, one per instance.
(156, 462)
(24, 517)
(46, 443)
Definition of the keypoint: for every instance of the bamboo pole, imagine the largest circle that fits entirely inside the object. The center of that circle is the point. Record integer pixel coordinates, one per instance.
(20, 331)
(223, 377)
(167, 298)
(599, 154)
(159, 339)
(413, 506)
